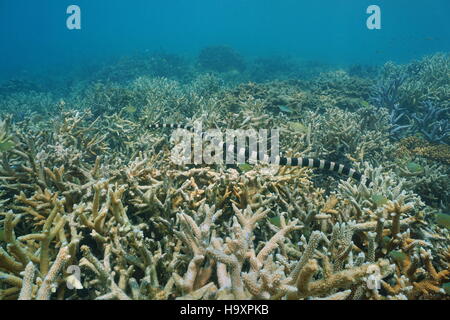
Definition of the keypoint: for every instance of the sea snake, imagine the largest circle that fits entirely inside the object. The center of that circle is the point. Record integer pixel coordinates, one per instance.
(285, 161)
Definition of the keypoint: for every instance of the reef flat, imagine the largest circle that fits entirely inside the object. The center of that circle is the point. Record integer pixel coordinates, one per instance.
(93, 207)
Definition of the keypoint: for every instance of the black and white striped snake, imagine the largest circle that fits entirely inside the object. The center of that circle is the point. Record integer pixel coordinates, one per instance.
(285, 161)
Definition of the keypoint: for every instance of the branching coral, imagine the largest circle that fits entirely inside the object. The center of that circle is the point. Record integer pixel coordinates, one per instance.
(432, 125)
(417, 97)
(93, 189)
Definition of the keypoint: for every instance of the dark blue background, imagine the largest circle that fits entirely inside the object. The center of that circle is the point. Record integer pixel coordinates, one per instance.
(33, 32)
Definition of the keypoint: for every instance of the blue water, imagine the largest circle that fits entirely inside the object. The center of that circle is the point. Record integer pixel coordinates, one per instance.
(33, 34)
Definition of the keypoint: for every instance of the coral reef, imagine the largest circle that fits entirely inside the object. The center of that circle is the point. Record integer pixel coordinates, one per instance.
(414, 145)
(364, 71)
(150, 64)
(18, 85)
(416, 96)
(221, 59)
(431, 125)
(92, 207)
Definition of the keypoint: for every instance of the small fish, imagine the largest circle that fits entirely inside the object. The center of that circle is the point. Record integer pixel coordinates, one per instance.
(6, 146)
(298, 127)
(285, 109)
(276, 221)
(398, 256)
(37, 118)
(379, 199)
(245, 167)
(386, 240)
(130, 109)
(364, 103)
(446, 287)
(414, 167)
(443, 220)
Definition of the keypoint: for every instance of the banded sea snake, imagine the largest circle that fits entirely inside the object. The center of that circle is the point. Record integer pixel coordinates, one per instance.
(285, 161)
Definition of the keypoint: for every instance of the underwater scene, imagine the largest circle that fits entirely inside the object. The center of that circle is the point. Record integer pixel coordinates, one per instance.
(224, 150)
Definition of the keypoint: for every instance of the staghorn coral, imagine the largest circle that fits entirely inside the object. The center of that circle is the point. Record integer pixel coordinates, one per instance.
(358, 136)
(25, 104)
(417, 97)
(422, 80)
(341, 84)
(431, 125)
(417, 146)
(235, 243)
(425, 167)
